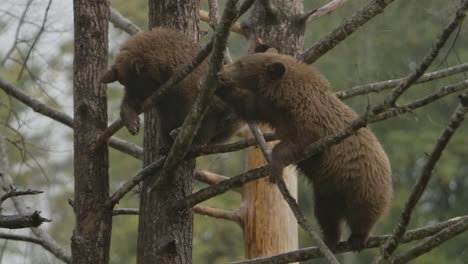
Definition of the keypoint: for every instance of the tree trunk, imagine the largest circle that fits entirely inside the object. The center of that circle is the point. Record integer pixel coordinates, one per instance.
(269, 225)
(165, 236)
(93, 222)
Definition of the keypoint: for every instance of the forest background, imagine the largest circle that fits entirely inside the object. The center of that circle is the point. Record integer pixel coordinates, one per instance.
(40, 150)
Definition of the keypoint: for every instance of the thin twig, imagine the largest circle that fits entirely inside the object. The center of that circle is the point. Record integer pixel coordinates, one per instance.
(420, 186)
(322, 11)
(13, 192)
(388, 84)
(427, 60)
(348, 27)
(232, 216)
(43, 109)
(373, 242)
(431, 243)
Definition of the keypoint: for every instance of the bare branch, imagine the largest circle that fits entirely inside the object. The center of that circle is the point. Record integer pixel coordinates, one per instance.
(36, 38)
(374, 242)
(134, 181)
(13, 192)
(427, 60)
(322, 11)
(18, 221)
(384, 85)
(232, 216)
(46, 241)
(37, 106)
(434, 241)
(417, 191)
(348, 27)
(198, 209)
(209, 177)
(122, 22)
(125, 211)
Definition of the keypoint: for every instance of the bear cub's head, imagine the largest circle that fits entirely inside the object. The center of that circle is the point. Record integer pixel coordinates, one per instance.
(248, 85)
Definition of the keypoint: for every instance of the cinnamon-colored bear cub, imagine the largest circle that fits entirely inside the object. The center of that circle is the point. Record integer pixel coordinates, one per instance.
(351, 180)
(145, 62)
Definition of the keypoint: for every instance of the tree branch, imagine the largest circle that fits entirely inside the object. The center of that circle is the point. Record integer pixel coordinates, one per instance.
(322, 11)
(232, 216)
(119, 144)
(427, 60)
(18, 221)
(417, 191)
(348, 27)
(384, 85)
(123, 23)
(209, 177)
(432, 242)
(13, 192)
(374, 242)
(46, 241)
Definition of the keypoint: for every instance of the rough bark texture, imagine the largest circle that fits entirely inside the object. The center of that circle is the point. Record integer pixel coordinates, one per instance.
(278, 27)
(269, 225)
(165, 236)
(93, 222)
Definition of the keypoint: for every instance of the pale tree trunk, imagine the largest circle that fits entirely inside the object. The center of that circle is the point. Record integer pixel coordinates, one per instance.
(165, 236)
(269, 226)
(93, 221)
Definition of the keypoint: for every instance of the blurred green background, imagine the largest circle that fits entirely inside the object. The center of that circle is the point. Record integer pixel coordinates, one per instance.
(388, 47)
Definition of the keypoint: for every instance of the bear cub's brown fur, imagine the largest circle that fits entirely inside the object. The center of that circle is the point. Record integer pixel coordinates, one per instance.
(145, 62)
(351, 180)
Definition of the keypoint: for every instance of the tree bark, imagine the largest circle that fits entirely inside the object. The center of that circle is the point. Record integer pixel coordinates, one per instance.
(165, 236)
(93, 222)
(269, 226)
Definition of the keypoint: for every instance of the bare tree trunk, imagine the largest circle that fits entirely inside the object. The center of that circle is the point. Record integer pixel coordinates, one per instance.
(93, 221)
(269, 225)
(165, 236)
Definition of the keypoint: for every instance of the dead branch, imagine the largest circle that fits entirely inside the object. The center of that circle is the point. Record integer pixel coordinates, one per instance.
(377, 87)
(123, 23)
(232, 216)
(13, 192)
(125, 211)
(432, 242)
(348, 27)
(374, 242)
(18, 221)
(322, 11)
(46, 241)
(420, 186)
(427, 60)
(213, 13)
(37, 106)
(209, 177)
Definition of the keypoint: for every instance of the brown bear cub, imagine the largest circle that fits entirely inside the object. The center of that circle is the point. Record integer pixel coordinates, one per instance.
(145, 62)
(351, 180)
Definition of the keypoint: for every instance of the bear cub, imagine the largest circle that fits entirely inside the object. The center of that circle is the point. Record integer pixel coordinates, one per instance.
(351, 180)
(145, 62)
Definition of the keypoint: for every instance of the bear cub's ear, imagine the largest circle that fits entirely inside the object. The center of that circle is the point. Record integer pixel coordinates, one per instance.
(110, 76)
(275, 70)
